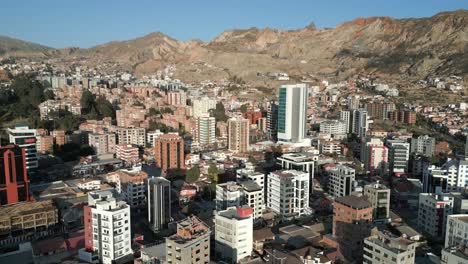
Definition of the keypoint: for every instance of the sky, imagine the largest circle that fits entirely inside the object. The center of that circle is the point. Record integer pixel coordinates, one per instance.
(86, 23)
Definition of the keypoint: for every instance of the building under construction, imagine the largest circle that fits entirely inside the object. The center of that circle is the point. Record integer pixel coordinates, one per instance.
(27, 216)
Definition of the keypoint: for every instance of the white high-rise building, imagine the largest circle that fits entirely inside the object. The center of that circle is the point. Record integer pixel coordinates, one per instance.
(341, 180)
(234, 233)
(203, 105)
(374, 156)
(228, 194)
(433, 211)
(159, 203)
(292, 113)
(132, 135)
(398, 156)
(151, 136)
(107, 226)
(452, 176)
(456, 232)
(205, 130)
(238, 134)
(288, 192)
(347, 117)
(423, 145)
(25, 137)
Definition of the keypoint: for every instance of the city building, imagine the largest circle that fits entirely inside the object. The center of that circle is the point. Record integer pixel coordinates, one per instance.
(25, 137)
(151, 136)
(336, 128)
(238, 134)
(234, 233)
(398, 156)
(272, 121)
(229, 194)
(432, 213)
(374, 156)
(169, 152)
(379, 197)
(341, 180)
(292, 113)
(347, 117)
(360, 122)
(102, 143)
(176, 98)
(288, 193)
(203, 105)
(380, 110)
(127, 153)
(423, 145)
(27, 216)
(457, 255)
(204, 132)
(159, 203)
(352, 223)
(300, 162)
(107, 227)
(131, 136)
(403, 116)
(14, 181)
(191, 243)
(386, 248)
(451, 176)
(456, 232)
(251, 174)
(131, 185)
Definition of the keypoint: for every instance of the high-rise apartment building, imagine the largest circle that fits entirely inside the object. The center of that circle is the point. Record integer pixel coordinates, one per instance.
(176, 98)
(131, 135)
(398, 156)
(243, 192)
(238, 134)
(107, 227)
(202, 106)
(205, 130)
(336, 128)
(360, 122)
(300, 162)
(25, 137)
(379, 197)
(347, 117)
(423, 145)
(352, 223)
(380, 110)
(341, 180)
(434, 208)
(272, 121)
(456, 232)
(14, 181)
(288, 193)
(169, 152)
(159, 203)
(374, 156)
(234, 233)
(191, 243)
(102, 143)
(292, 113)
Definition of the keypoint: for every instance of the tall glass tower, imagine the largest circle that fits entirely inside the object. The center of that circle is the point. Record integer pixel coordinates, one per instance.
(292, 113)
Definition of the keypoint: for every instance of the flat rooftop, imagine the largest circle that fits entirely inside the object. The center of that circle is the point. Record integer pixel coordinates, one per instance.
(354, 202)
(25, 208)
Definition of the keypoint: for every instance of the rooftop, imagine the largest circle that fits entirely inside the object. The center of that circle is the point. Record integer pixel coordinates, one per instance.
(296, 157)
(288, 173)
(354, 202)
(25, 208)
(189, 229)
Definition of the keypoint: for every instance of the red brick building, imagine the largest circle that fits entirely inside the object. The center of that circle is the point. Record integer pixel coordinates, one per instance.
(169, 152)
(352, 223)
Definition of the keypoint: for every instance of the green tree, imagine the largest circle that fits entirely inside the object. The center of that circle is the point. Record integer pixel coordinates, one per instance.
(213, 172)
(87, 102)
(193, 174)
(153, 112)
(49, 95)
(219, 113)
(243, 108)
(105, 108)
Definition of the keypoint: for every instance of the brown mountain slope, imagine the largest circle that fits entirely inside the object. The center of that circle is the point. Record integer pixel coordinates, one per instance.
(412, 47)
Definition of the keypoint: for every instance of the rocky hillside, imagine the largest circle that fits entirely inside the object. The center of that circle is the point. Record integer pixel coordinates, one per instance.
(17, 48)
(409, 47)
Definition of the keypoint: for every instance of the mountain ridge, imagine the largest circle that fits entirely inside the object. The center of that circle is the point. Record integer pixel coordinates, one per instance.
(410, 46)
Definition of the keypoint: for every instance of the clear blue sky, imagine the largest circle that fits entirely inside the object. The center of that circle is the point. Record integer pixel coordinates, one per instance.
(85, 23)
